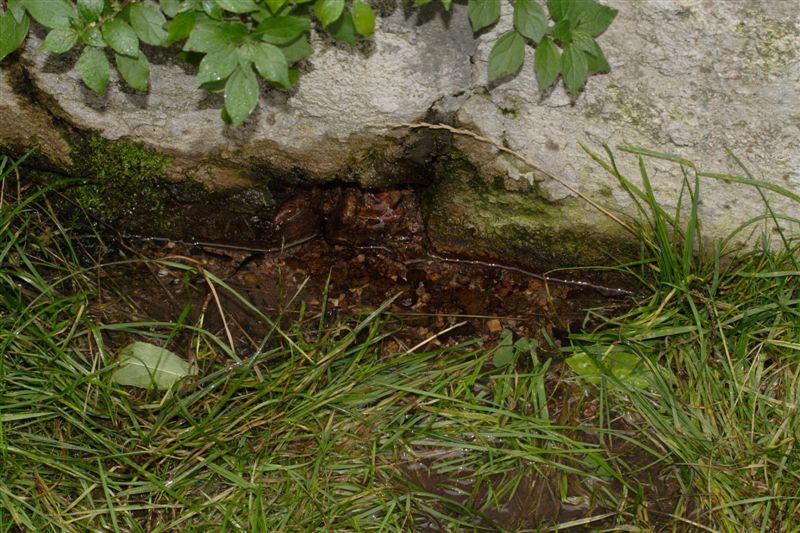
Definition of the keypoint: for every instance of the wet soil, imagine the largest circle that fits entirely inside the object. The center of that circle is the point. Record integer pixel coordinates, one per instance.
(343, 250)
(332, 254)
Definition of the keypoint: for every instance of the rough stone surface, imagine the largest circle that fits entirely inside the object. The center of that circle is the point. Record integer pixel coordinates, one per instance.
(24, 125)
(689, 77)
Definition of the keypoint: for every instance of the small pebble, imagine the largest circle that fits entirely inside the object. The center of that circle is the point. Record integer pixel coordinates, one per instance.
(494, 325)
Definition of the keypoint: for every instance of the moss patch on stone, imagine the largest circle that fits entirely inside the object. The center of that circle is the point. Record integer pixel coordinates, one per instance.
(123, 180)
(469, 214)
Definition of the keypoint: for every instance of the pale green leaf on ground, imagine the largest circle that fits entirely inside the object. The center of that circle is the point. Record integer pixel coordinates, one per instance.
(483, 13)
(134, 70)
(94, 69)
(504, 351)
(51, 13)
(507, 55)
(12, 33)
(328, 11)
(148, 22)
(59, 40)
(363, 18)
(626, 367)
(121, 37)
(141, 364)
(241, 95)
(547, 64)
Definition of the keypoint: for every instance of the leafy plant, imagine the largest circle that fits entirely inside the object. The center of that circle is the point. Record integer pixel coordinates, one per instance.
(236, 41)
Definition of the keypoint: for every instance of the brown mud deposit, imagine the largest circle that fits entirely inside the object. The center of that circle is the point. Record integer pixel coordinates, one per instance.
(347, 250)
(331, 254)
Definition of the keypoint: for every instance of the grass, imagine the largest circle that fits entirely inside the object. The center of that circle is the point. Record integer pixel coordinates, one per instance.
(328, 428)
(314, 429)
(718, 343)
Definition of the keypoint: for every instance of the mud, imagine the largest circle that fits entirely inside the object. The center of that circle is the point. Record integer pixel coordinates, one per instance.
(327, 256)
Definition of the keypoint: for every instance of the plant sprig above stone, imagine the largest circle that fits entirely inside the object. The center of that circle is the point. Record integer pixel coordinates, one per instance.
(234, 42)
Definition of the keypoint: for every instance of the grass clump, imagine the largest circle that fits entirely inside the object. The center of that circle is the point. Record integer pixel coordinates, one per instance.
(313, 429)
(714, 349)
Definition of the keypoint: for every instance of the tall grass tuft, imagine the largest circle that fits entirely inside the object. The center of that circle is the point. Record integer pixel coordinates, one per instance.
(716, 346)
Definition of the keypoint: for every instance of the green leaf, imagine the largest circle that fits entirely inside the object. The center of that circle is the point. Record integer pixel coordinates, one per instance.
(59, 40)
(282, 29)
(51, 13)
(547, 64)
(575, 69)
(597, 61)
(271, 64)
(447, 4)
(275, 5)
(626, 367)
(134, 70)
(12, 33)
(328, 11)
(234, 31)
(17, 8)
(583, 41)
(595, 18)
(206, 36)
(91, 36)
(94, 69)
(241, 95)
(171, 8)
(141, 364)
(343, 29)
(483, 13)
(564, 9)
(363, 18)
(121, 37)
(217, 65)
(530, 19)
(90, 10)
(507, 55)
(562, 31)
(148, 22)
(504, 352)
(297, 50)
(180, 27)
(212, 9)
(237, 6)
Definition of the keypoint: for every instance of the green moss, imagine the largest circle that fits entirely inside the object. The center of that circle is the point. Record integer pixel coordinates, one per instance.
(124, 180)
(470, 214)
